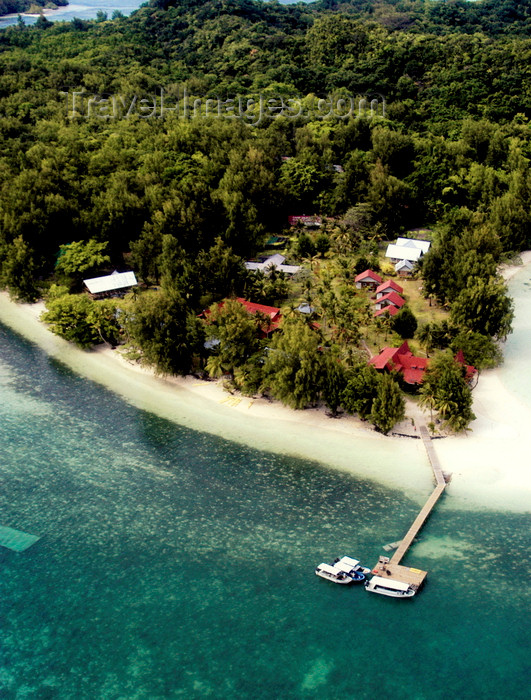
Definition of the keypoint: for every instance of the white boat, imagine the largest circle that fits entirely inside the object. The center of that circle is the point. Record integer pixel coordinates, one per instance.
(356, 576)
(390, 587)
(330, 573)
(354, 564)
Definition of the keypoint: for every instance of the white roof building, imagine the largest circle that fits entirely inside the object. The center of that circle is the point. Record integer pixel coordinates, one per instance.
(274, 261)
(404, 266)
(413, 243)
(305, 308)
(111, 283)
(407, 249)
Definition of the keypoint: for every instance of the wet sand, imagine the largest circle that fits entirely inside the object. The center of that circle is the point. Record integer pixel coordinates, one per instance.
(487, 463)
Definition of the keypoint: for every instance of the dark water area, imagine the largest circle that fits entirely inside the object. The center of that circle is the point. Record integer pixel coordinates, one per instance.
(174, 564)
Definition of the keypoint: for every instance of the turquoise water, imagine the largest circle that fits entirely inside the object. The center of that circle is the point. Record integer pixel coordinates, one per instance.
(173, 564)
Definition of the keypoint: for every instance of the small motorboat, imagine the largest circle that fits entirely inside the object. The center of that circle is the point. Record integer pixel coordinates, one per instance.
(330, 573)
(356, 576)
(354, 564)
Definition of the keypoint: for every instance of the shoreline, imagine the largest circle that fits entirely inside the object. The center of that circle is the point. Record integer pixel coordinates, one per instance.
(509, 271)
(487, 464)
(45, 11)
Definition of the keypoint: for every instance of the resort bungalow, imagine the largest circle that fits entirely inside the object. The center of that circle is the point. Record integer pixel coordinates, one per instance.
(404, 268)
(389, 310)
(271, 315)
(401, 360)
(110, 285)
(387, 287)
(391, 298)
(273, 262)
(407, 249)
(410, 367)
(367, 279)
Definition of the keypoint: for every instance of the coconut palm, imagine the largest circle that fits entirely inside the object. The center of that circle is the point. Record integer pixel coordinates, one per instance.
(425, 337)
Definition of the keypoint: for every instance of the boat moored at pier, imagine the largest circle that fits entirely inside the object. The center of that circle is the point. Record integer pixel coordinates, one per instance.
(390, 587)
(354, 564)
(356, 576)
(332, 574)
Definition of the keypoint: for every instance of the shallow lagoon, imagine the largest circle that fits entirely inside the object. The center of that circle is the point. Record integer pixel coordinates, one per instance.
(177, 564)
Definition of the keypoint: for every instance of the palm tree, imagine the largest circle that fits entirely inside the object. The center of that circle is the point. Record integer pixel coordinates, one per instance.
(427, 398)
(215, 366)
(425, 337)
(446, 407)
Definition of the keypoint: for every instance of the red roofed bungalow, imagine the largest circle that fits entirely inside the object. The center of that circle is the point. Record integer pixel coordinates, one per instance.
(413, 368)
(386, 359)
(271, 312)
(390, 310)
(386, 287)
(401, 360)
(410, 367)
(470, 370)
(391, 298)
(367, 279)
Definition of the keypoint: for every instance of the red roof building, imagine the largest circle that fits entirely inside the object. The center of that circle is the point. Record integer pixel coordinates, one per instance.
(271, 312)
(470, 370)
(401, 360)
(389, 310)
(367, 279)
(388, 299)
(410, 367)
(386, 287)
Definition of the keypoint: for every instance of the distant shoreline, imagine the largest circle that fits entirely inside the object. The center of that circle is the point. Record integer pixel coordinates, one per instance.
(14, 15)
(488, 464)
(43, 11)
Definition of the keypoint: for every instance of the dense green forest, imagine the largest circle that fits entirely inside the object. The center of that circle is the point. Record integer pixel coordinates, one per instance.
(91, 151)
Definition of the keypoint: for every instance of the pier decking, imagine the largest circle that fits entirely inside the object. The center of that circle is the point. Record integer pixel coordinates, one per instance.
(392, 567)
(417, 524)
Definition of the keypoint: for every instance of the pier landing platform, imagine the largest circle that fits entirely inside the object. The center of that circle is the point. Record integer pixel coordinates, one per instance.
(397, 572)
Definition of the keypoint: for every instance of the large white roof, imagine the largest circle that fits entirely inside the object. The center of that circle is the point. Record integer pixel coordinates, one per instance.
(413, 243)
(109, 283)
(402, 252)
(407, 249)
(274, 261)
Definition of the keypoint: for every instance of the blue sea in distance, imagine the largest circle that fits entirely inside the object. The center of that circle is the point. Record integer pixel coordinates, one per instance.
(175, 564)
(88, 9)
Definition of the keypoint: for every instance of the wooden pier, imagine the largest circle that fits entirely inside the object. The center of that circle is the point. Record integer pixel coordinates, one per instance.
(392, 567)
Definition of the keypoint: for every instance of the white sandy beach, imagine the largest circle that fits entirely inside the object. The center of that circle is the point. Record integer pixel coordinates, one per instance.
(14, 15)
(488, 464)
